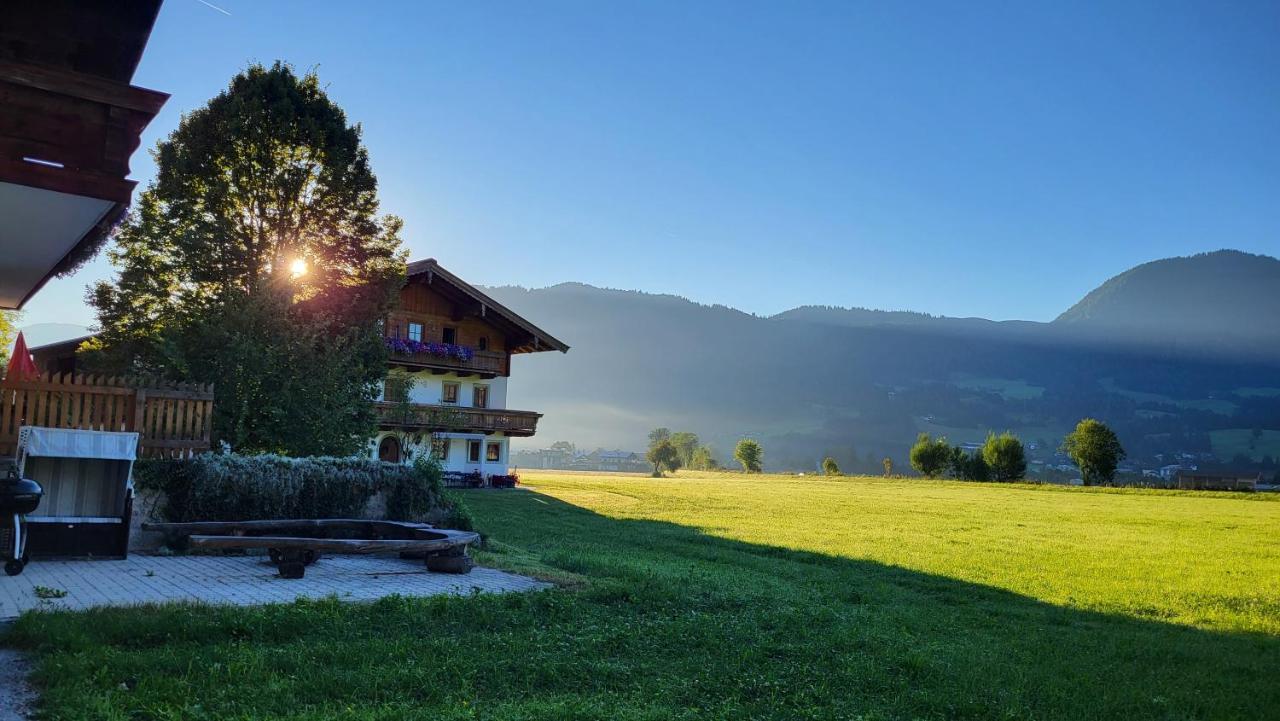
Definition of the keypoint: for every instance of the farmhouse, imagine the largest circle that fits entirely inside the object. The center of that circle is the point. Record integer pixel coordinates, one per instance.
(451, 347)
(1219, 481)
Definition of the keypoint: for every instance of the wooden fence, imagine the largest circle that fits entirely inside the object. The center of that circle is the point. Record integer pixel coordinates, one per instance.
(173, 420)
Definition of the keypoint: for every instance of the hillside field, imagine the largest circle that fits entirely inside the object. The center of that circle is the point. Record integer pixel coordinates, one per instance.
(722, 596)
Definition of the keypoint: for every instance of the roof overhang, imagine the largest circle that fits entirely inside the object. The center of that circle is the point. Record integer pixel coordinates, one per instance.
(69, 122)
(529, 337)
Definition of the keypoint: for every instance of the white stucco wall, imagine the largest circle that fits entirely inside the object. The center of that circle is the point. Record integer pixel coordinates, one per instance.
(457, 459)
(427, 388)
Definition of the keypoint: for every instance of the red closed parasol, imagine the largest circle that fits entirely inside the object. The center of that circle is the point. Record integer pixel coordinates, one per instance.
(21, 367)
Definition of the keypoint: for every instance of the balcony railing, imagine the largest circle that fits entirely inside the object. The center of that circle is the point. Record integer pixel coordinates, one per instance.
(457, 419)
(482, 361)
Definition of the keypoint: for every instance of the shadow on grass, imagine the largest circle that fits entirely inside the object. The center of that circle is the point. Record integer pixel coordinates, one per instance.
(934, 644)
(673, 624)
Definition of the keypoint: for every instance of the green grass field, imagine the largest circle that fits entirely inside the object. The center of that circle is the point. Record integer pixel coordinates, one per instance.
(1010, 389)
(728, 597)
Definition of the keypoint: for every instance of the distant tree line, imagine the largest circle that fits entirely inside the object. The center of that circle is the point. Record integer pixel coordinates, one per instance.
(669, 452)
(1092, 446)
(1001, 458)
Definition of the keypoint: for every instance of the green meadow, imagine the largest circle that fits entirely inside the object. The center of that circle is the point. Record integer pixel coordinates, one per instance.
(722, 596)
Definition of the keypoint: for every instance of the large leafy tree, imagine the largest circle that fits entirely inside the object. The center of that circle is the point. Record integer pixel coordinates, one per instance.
(1095, 449)
(256, 260)
(1005, 457)
(686, 443)
(930, 456)
(664, 456)
(750, 454)
(8, 334)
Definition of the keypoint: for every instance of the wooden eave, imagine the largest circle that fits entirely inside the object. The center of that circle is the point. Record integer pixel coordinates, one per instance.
(525, 337)
(69, 119)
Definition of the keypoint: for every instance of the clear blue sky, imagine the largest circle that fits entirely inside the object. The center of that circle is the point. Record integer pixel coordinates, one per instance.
(992, 159)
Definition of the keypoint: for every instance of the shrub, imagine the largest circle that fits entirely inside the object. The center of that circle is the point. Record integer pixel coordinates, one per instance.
(930, 457)
(457, 516)
(1005, 457)
(230, 487)
(412, 496)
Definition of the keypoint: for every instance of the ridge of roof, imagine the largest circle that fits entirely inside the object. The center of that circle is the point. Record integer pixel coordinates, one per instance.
(432, 268)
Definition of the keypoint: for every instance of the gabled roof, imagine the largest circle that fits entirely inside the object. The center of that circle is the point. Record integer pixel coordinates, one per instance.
(529, 337)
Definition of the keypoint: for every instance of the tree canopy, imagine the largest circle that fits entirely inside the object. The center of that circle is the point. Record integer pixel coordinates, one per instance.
(256, 261)
(704, 459)
(1005, 457)
(8, 334)
(930, 457)
(750, 454)
(686, 443)
(1095, 449)
(664, 457)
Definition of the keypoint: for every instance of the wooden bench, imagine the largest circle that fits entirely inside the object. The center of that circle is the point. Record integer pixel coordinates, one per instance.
(297, 543)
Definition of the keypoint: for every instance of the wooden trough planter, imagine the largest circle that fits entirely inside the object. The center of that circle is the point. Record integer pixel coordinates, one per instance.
(295, 544)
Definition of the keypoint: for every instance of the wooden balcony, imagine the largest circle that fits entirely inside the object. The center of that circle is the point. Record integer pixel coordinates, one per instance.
(457, 419)
(486, 364)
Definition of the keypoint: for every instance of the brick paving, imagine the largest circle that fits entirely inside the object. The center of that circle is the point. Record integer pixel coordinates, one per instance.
(237, 580)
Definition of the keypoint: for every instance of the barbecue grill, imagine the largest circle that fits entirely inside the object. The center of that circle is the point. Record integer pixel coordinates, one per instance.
(18, 496)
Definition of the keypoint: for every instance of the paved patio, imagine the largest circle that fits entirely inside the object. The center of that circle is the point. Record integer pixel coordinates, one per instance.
(238, 580)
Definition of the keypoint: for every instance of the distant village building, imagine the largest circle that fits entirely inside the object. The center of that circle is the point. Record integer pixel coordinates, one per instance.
(1219, 481)
(545, 458)
(561, 456)
(619, 461)
(1171, 471)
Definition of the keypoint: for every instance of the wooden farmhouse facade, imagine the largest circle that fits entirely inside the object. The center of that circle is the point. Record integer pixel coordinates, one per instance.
(450, 362)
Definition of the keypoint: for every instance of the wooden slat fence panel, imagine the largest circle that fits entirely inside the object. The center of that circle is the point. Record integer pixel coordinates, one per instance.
(173, 420)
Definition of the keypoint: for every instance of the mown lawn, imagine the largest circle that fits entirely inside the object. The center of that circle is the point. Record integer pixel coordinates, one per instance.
(733, 598)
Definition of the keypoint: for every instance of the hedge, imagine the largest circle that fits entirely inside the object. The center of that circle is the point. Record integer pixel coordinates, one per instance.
(229, 487)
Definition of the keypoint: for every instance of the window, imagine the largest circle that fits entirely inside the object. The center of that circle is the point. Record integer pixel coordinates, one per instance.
(449, 393)
(440, 448)
(449, 335)
(415, 332)
(473, 451)
(395, 390)
(480, 396)
(482, 343)
(493, 452)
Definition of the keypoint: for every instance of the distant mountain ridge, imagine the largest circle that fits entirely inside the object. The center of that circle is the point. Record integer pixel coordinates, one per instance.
(1223, 293)
(818, 380)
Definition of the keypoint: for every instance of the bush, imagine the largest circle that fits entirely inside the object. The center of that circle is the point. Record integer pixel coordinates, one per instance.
(229, 487)
(457, 516)
(412, 496)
